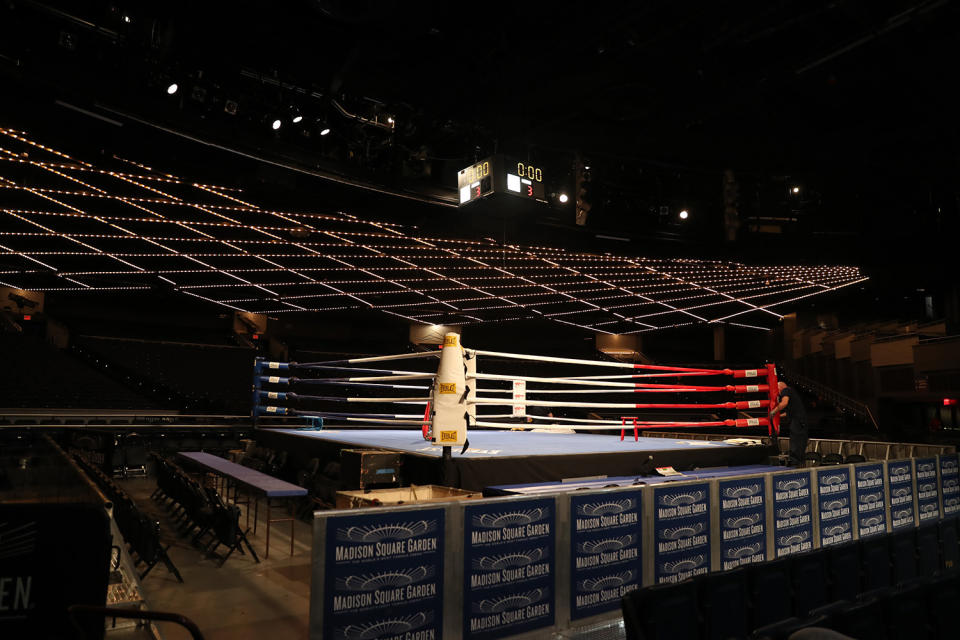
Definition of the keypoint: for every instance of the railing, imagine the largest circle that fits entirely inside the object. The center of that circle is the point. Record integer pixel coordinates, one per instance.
(831, 395)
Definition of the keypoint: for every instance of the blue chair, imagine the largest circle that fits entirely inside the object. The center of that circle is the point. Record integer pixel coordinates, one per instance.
(928, 551)
(808, 574)
(723, 604)
(875, 563)
(662, 612)
(903, 557)
(771, 596)
(843, 568)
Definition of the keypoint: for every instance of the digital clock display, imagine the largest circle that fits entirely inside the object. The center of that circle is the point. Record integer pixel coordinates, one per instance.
(529, 171)
(476, 181)
(499, 174)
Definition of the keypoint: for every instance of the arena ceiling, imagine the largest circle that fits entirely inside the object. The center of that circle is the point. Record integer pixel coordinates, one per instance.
(78, 227)
(848, 99)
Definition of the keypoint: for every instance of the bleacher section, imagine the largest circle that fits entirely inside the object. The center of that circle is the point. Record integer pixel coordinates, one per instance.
(207, 377)
(38, 375)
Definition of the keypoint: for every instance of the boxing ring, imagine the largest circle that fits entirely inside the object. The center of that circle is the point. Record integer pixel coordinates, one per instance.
(461, 436)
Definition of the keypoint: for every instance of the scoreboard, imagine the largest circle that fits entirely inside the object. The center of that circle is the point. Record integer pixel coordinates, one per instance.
(500, 174)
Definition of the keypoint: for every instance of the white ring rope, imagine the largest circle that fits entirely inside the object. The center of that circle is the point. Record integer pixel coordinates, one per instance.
(592, 363)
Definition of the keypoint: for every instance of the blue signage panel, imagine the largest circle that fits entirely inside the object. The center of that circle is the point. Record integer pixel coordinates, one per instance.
(928, 496)
(384, 575)
(509, 567)
(871, 499)
(950, 484)
(792, 513)
(605, 556)
(836, 514)
(743, 522)
(900, 478)
(681, 531)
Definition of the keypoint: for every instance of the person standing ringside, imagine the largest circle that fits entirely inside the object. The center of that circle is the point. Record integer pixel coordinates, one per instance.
(790, 405)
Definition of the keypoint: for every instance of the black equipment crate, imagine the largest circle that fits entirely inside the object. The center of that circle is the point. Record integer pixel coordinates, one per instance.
(360, 468)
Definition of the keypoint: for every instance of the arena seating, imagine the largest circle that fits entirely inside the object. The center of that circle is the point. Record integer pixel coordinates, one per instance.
(139, 531)
(200, 510)
(902, 585)
(38, 375)
(184, 368)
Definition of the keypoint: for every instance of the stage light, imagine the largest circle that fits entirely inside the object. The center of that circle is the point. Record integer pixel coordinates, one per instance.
(172, 88)
(324, 130)
(795, 190)
(276, 124)
(684, 214)
(390, 120)
(564, 197)
(127, 19)
(295, 116)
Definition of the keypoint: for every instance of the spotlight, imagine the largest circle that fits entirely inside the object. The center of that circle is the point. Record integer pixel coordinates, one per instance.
(684, 214)
(127, 19)
(795, 190)
(390, 120)
(172, 88)
(323, 126)
(276, 124)
(564, 197)
(295, 116)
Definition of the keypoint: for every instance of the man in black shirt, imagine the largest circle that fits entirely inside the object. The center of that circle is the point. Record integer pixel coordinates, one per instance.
(795, 418)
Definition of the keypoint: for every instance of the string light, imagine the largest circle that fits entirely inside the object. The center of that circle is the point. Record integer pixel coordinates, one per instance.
(248, 258)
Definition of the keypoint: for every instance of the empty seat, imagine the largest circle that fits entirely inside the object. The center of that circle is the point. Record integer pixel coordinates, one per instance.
(903, 556)
(723, 601)
(862, 620)
(770, 592)
(949, 550)
(808, 574)
(928, 551)
(942, 596)
(875, 563)
(853, 458)
(663, 612)
(812, 459)
(906, 615)
(843, 569)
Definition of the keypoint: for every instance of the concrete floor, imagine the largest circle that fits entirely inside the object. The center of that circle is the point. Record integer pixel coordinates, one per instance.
(242, 599)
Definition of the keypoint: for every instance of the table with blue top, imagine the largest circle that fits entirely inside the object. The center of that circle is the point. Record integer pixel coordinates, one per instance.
(261, 483)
